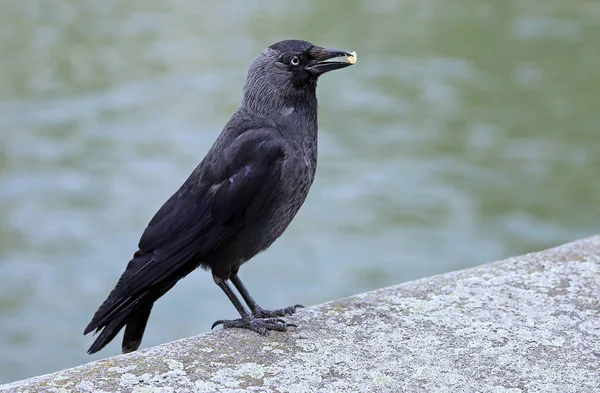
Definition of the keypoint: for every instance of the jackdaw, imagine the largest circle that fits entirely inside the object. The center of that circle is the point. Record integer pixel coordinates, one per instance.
(237, 201)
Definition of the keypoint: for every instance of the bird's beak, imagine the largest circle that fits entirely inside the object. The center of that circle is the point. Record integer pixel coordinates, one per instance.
(320, 63)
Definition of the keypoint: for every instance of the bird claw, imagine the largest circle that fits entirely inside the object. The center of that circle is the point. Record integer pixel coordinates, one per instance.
(217, 323)
(260, 313)
(259, 325)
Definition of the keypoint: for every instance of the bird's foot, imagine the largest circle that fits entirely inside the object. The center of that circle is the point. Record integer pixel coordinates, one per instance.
(260, 313)
(258, 325)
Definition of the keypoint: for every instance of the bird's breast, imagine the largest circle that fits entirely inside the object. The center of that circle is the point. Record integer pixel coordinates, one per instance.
(297, 178)
(307, 162)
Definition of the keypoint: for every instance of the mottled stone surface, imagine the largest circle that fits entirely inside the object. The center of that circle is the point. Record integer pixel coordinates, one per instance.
(526, 324)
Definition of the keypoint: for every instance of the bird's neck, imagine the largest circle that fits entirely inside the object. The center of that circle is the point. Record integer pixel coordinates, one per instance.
(277, 106)
(294, 115)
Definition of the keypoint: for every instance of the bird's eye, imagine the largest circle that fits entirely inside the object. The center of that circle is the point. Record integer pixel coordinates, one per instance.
(295, 61)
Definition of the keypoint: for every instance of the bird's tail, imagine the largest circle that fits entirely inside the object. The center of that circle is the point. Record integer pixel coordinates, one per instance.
(123, 308)
(134, 322)
(134, 330)
(127, 308)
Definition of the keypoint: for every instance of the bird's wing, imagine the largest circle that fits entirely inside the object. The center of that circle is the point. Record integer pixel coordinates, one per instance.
(206, 212)
(233, 191)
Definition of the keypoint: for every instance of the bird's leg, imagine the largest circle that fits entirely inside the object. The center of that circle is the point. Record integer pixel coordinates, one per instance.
(234, 299)
(256, 310)
(247, 320)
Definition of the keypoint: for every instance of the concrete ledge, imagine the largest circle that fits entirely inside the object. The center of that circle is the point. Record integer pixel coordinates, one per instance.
(526, 324)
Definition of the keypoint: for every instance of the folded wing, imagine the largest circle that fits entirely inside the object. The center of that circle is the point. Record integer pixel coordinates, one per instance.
(218, 199)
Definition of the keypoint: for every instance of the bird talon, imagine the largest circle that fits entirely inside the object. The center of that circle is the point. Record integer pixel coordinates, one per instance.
(219, 322)
(292, 309)
(260, 313)
(262, 326)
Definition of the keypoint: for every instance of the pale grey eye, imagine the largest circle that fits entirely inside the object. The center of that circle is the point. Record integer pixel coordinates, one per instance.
(295, 61)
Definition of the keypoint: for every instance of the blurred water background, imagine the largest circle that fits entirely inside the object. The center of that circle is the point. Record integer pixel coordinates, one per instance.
(467, 132)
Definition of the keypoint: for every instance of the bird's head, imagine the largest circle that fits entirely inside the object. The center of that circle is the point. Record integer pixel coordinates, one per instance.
(288, 70)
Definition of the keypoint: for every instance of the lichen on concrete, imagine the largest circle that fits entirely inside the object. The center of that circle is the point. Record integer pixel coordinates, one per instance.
(526, 324)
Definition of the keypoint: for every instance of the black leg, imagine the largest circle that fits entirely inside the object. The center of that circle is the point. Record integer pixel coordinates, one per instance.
(256, 310)
(247, 320)
(236, 302)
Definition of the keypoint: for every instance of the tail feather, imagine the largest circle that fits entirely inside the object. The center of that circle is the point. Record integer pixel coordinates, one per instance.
(120, 297)
(125, 307)
(120, 306)
(110, 325)
(134, 331)
(108, 333)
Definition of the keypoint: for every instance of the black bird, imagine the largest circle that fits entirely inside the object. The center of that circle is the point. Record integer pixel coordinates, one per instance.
(237, 201)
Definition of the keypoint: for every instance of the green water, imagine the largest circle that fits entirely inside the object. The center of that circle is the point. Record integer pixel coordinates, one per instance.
(467, 132)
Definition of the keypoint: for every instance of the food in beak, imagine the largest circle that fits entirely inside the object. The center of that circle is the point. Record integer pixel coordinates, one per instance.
(352, 58)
